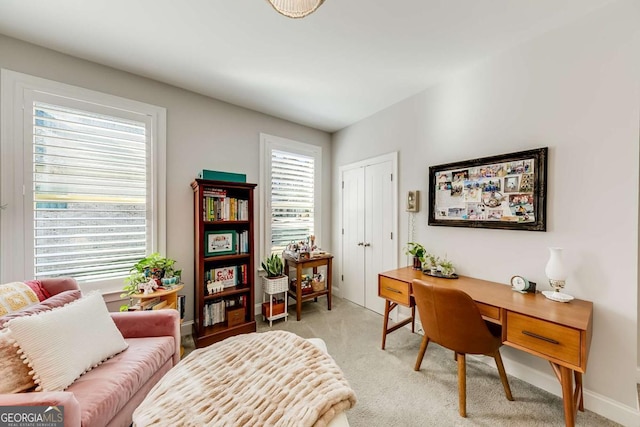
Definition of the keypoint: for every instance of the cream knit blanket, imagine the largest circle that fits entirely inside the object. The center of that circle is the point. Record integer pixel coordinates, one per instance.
(273, 378)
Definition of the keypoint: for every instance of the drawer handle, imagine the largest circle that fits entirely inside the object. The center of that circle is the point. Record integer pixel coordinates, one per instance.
(393, 290)
(540, 337)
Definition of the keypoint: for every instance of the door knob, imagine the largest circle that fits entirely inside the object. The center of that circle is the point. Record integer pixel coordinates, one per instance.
(367, 244)
(360, 243)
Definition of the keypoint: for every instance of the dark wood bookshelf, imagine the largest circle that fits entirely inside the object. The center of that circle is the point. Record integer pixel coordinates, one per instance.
(204, 334)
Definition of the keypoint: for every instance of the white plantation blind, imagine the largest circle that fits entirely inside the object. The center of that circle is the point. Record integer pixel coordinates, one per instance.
(292, 198)
(91, 193)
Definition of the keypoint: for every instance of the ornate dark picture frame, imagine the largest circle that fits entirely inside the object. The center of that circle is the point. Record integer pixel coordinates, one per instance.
(508, 191)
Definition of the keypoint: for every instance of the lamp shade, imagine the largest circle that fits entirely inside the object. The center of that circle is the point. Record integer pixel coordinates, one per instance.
(295, 8)
(555, 268)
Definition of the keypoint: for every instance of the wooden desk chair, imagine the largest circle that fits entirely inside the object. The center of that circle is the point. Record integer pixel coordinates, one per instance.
(450, 318)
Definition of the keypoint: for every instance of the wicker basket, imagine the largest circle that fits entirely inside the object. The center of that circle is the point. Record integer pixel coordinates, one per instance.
(273, 285)
(317, 285)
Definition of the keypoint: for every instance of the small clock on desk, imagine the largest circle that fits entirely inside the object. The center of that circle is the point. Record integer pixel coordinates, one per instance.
(520, 284)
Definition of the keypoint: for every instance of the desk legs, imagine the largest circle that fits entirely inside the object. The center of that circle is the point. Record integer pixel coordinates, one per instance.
(572, 398)
(388, 307)
(579, 396)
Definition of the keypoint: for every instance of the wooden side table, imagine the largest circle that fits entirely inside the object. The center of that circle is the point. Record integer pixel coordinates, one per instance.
(168, 295)
(299, 265)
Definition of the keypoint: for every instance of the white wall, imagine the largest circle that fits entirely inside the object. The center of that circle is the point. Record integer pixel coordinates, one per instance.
(577, 91)
(202, 133)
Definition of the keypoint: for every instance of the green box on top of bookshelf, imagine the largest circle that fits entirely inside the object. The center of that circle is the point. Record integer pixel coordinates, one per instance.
(222, 176)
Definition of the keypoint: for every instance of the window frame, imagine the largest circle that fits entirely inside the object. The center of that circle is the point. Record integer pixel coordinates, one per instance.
(267, 144)
(17, 90)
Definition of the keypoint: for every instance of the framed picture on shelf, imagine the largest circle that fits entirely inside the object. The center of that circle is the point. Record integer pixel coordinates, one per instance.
(219, 242)
(508, 191)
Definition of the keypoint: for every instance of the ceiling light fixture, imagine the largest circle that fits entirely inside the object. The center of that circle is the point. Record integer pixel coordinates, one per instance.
(295, 8)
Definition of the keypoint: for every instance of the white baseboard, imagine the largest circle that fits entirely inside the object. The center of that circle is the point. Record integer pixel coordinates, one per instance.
(186, 328)
(335, 291)
(594, 402)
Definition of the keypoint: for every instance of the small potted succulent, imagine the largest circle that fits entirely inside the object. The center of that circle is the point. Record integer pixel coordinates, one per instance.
(275, 281)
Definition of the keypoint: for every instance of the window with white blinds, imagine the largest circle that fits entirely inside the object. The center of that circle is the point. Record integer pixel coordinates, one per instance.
(292, 198)
(82, 182)
(291, 178)
(89, 193)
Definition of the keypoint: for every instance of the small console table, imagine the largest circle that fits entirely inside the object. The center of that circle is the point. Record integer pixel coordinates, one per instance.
(557, 332)
(299, 265)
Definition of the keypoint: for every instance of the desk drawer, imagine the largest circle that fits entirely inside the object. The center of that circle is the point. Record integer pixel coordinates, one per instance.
(560, 342)
(489, 311)
(394, 290)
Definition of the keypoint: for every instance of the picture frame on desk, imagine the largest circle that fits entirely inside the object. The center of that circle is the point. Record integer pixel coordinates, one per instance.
(220, 242)
(507, 191)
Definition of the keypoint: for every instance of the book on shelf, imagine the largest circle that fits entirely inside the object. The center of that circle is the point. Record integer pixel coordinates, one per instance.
(160, 305)
(242, 279)
(181, 301)
(150, 306)
(146, 304)
(215, 192)
(243, 242)
(218, 207)
(215, 311)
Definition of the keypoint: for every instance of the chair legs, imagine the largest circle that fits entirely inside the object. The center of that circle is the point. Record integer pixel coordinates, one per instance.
(462, 384)
(462, 374)
(423, 348)
(503, 375)
(462, 380)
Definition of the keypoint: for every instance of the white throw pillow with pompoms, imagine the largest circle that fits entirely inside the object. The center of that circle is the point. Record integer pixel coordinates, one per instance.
(62, 344)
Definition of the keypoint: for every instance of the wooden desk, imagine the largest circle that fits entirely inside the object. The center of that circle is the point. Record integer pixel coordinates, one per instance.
(557, 332)
(299, 265)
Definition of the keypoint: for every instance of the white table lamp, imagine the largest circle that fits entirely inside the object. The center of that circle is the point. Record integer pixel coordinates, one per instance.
(557, 274)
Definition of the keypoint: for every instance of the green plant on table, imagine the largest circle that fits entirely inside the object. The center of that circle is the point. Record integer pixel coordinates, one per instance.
(154, 266)
(273, 266)
(433, 261)
(446, 267)
(416, 250)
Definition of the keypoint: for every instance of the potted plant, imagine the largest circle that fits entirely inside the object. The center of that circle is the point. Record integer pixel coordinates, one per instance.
(446, 267)
(154, 266)
(431, 263)
(275, 281)
(419, 253)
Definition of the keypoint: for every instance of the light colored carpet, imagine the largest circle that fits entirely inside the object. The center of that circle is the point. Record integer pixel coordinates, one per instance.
(391, 393)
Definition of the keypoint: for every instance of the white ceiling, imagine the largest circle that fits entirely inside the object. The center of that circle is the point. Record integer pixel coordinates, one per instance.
(348, 60)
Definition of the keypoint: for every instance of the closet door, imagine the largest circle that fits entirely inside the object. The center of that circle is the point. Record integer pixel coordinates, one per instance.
(352, 284)
(379, 242)
(369, 228)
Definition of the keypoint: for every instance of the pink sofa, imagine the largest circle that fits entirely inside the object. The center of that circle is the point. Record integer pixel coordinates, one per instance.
(63, 290)
(108, 394)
